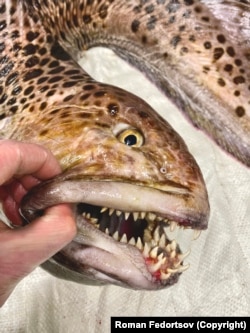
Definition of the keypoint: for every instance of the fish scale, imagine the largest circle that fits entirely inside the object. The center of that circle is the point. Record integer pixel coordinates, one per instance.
(115, 151)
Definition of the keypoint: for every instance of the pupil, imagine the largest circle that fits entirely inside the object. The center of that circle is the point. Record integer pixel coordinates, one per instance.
(130, 140)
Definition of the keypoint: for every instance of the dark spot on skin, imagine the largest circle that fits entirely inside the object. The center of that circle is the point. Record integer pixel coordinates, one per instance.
(221, 82)
(54, 64)
(143, 114)
(59, 53)
(113, 109)
(240, 111)
(2, 8)
(184, 50)
(171, 19)
(29, 49)
(237, 93)
(239, 80)
(175, 41)
(6, 69)
(43, 106)
(188, 2)
(42, 51)
(32, 61)
(16, 91)
(207, 45)
(182, 28)
(173, 6)
(218, 53)
(32, 35)
(11, 78)
(3, 98)
(56, 70)
(2, 25)
(84, 97)
(228, 68)
(88, 87)
(28, 90)
(205, 18)
(135, 26)
(54, 79)
(238, 62)
(149, 9)
(69, 84)
(86, 19)
(192, 38)
(151, 22)
(50, 93)
(2, 47)
(42, 80)
(32, 74)
(144, 39)
(198, 9)
(100, 93)
(103, 11)
(230, 51)
(221, 38)
(11, 101)
(14, 109)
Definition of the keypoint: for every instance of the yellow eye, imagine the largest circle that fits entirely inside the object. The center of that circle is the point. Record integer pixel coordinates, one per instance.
(131, 137)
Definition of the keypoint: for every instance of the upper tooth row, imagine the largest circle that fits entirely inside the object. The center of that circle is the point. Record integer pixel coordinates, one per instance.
(137, 215)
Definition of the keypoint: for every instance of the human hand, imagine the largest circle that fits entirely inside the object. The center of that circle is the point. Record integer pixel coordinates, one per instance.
(22, 166)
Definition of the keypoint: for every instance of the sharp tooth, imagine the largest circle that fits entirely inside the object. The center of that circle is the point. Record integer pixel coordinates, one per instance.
(111, 211)
(172, 226)
(196, 234)
(166, 220)
(132, 241)
(153, 253)
(160, 256)
(84, 214)
(172, 271)
(151, 216)
(146, 250)
(136, 215)
(162, 242)
(93, 220)
(173, 254)
(168, 248)
(124, 239)
(116, 236)
(142, 215)
(183, 268)
(139, 243)
(104, 209)
(127, 215)
(158, 265)
(165, 276)
(88, 216)
(156, 234)
(107, 231)
(118, 212)
(173, 245)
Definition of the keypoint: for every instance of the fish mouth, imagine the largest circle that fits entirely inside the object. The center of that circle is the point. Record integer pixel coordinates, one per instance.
(129, 235)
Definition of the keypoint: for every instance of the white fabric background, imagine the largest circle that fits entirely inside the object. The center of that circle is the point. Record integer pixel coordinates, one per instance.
(216, 284)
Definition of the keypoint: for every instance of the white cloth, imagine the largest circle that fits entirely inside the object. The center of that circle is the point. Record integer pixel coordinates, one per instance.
(218, 280)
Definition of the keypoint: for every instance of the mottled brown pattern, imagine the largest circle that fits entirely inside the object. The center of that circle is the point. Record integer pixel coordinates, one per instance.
(100, 133)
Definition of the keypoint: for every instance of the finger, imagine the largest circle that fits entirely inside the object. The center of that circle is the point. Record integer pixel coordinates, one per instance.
(28, 247)
(18, 158)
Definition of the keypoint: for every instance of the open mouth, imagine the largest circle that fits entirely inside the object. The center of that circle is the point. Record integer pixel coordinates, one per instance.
(138, 240)
(158, 239)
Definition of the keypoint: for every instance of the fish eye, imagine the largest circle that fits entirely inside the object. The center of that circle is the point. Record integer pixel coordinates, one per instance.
(131, 137)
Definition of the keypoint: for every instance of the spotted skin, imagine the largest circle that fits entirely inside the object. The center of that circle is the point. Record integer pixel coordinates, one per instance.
(185, 47)
(47, 98)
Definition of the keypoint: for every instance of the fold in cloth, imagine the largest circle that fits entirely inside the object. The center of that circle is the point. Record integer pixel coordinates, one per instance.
(218, 280)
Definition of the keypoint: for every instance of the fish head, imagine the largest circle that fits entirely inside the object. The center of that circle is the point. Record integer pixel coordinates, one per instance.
(137, 192)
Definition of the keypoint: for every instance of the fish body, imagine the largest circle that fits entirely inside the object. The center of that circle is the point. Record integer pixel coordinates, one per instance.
(129, 175)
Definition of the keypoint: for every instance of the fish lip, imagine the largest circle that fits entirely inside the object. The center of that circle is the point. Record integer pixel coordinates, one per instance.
(128, 263)
(188, 209)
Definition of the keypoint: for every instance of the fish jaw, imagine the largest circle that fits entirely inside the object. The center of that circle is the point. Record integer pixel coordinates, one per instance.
(126, 232)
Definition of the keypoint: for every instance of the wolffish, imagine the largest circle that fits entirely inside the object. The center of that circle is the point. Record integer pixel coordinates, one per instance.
(138, 194)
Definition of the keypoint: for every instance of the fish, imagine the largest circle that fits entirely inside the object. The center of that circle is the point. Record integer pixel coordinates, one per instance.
(138, 195)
